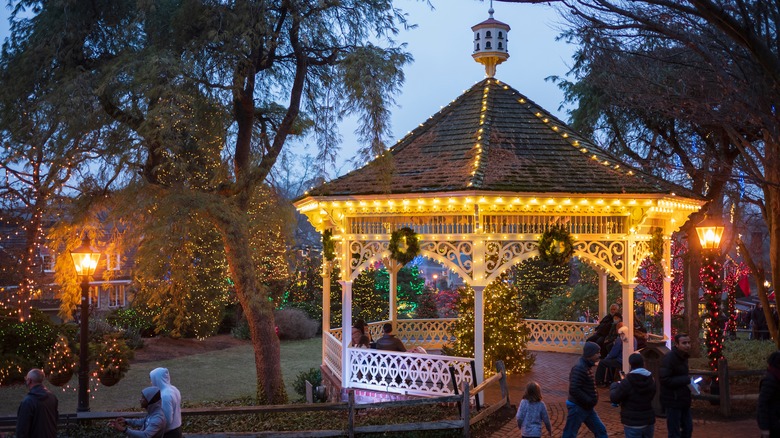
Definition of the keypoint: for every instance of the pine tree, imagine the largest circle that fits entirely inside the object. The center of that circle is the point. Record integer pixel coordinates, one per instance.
(505, 339)
(427, 308)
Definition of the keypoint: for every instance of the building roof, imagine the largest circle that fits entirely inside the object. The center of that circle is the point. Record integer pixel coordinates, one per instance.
(493, 138)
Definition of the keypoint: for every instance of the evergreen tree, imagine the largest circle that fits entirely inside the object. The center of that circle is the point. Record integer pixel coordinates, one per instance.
(505, 338)
(427, 308)
(537, 282)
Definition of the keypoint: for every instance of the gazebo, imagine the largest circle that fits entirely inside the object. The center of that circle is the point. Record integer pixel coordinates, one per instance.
(480, 182)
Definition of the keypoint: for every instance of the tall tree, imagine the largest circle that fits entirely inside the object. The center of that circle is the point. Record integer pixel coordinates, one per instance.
(211, 92)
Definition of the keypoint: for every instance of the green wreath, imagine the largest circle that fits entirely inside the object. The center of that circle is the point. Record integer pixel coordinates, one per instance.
(556, 246)
(328, 246)
(404, 245)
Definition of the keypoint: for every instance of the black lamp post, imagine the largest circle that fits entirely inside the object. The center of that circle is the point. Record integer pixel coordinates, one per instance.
(85, 259)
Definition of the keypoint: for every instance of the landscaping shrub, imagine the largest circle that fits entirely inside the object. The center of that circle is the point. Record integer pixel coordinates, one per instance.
(294, 324)
(132, 319)
(241, 330)
(314, 376)
(99, 328)
(30, 340)
(112, 357)
(133, 338)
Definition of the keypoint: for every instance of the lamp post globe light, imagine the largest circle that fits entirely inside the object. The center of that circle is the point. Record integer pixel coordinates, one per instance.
(85, 260)
(710, 233)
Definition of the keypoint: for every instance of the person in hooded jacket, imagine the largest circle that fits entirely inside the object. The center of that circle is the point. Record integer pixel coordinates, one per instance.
(583, 396)
(38, 412)
(152, 425)
(170, 401)
(675, 393)
(769, 399)
(635, 395)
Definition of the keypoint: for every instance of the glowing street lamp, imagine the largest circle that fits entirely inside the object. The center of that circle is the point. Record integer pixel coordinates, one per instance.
(85, 260)
(710, 232)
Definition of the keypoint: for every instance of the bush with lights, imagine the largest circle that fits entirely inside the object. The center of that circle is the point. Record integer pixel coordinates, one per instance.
(61, 363)
(112, 359)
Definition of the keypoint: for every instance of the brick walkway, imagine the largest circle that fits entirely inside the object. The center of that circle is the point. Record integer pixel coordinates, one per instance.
(551, 371)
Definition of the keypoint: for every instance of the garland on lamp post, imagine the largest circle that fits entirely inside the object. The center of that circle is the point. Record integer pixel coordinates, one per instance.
(404, 245)
(556, 246)
(709, 275)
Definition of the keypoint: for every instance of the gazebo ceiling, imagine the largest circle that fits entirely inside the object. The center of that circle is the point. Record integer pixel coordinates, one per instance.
(494, 139)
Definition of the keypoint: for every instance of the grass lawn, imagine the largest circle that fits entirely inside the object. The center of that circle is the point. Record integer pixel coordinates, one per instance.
(218, 375)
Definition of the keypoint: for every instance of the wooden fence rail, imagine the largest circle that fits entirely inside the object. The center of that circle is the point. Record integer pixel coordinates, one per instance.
(724, 375)
(463, 423)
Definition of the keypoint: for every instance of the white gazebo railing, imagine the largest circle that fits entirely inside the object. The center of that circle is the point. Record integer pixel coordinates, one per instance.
(332, 350)
(429, 374)
(559, 336)
(407, 373)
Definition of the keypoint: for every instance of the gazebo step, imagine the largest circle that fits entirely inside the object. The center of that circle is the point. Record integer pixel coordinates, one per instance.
(363, 396)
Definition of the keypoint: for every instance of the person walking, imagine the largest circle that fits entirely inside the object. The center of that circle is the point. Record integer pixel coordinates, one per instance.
(635, 395)
(675, 393)
(583, 396)
(38, 413)
(152, 425)
(769, 399)
(170, 401)
(388, 341)
(532, 413)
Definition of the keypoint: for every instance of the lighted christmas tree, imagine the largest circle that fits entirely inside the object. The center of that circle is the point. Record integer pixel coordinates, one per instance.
(60, 364)
(505, 338)
(537, 282)
(427, 305)
(651, 276)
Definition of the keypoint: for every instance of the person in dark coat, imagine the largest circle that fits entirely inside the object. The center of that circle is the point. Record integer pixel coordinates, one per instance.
(769, 399)
(583, 396)
(605, 325)
(38, 412)
(635, 395)
(388, 341)
(675, 393)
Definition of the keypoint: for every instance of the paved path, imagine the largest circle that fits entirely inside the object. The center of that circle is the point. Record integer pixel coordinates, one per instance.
(551, 371)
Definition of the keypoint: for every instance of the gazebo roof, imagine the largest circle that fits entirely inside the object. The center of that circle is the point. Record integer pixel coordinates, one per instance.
(493, 138)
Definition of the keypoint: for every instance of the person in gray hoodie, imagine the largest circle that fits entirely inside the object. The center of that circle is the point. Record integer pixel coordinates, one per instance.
(635, 395)
(153, 425)
(171, 401)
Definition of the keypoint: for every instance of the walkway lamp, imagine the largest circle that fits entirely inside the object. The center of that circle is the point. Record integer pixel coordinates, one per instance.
(710, 233)
(85, 260)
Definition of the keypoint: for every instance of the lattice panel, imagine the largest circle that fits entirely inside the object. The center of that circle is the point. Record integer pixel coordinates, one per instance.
(333, 354)
(611, 254)
(561, 336)
(426, 333)
(641, 251)
(499, 253)
(457, 253)
(422, 373)
(361, 251)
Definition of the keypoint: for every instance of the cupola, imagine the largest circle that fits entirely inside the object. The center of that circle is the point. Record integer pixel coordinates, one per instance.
(490, 43)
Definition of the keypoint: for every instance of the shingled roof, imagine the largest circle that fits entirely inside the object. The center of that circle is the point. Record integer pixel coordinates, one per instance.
(505, 144)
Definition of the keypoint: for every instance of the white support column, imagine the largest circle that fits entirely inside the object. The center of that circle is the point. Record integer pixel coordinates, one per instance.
(346, 330)
(603, 305)
(479, 332)
(667, 305)
(628, 321)
(326, 269)
(667, 309)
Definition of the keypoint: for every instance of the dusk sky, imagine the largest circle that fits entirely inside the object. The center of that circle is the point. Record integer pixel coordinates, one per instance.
(443, 68)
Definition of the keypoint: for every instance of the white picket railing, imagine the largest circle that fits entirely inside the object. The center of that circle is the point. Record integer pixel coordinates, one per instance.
(407, 373)
(560, 336)
(332, 357)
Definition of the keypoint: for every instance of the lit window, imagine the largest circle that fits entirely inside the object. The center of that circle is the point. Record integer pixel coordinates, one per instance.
(113, 262)
(94, 296)
(116, 295)
(47, 262)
